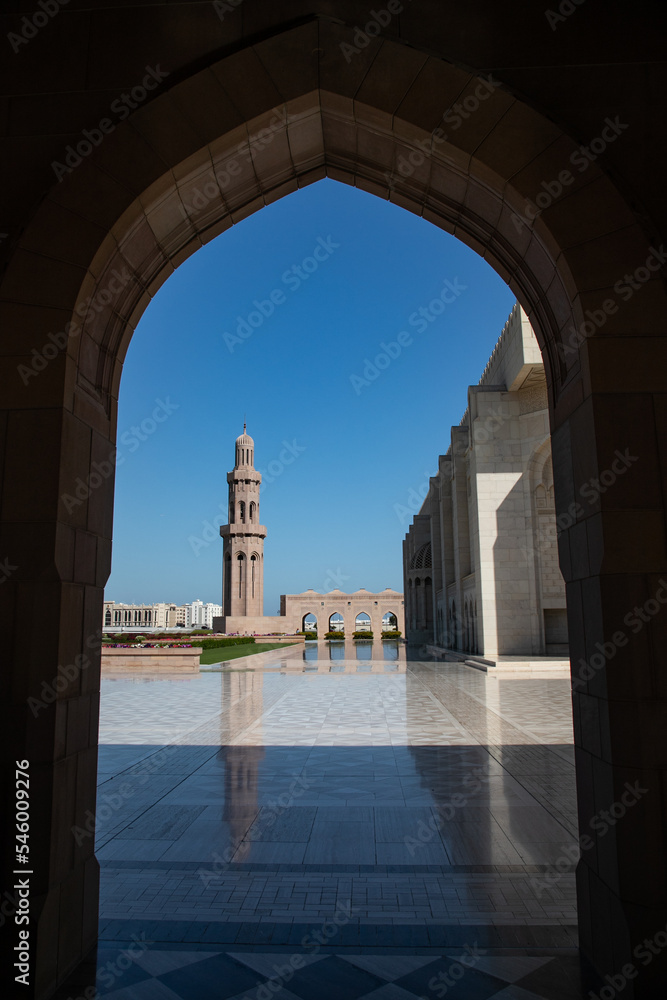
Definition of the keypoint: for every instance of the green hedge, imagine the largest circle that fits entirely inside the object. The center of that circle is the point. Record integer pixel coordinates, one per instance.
(232, 640)
(391, 634)
(362, 635)
(334, 635)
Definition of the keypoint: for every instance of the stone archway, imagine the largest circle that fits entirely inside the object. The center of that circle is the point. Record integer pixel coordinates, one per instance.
(222, 138)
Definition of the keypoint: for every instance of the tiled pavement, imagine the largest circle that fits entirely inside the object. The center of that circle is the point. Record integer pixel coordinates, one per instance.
(396, 894)
(422, 807)
(468, 972)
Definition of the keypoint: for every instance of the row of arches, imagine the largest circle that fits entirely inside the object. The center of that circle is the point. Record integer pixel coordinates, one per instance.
(133, 616)
(240, 510)
(236, 578)
(462, 630)
(419, 606)
(362, 622)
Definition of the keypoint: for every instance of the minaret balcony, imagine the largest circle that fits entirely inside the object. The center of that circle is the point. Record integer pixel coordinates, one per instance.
(241, 529)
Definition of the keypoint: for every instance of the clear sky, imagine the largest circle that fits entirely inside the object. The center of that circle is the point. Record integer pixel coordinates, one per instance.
(345, 448)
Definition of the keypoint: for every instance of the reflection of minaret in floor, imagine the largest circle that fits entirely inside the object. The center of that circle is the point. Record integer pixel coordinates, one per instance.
(242, 707)
(241, 693)
(241, 794)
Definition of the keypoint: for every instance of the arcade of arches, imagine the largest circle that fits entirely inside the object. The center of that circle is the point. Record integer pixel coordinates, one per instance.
(237, 113)
(343, 612)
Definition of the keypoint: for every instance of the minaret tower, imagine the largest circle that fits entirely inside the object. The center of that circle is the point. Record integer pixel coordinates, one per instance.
(243, 552)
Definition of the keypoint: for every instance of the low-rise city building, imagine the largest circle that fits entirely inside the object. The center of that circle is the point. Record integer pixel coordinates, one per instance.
(159, 615)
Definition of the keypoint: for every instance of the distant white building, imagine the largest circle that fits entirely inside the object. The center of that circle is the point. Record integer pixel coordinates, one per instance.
(118, 616)
(159, 615)
(203, 614)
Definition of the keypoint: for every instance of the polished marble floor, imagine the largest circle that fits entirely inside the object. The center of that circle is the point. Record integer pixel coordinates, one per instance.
(369, 815)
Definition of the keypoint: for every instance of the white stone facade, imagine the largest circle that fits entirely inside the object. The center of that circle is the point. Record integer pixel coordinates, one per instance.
(480, 559)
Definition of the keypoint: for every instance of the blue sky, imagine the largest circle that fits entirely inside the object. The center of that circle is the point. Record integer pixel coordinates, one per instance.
(277, 319)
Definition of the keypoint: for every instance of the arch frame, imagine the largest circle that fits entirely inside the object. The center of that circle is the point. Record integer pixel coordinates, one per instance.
(101, 223)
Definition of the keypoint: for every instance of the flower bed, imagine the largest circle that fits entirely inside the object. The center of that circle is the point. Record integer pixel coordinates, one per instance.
(147, 645)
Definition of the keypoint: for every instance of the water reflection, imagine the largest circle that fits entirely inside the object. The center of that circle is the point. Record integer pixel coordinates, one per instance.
(339, 656)
(349, 655)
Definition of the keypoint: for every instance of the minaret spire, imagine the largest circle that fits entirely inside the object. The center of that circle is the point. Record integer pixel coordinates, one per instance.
(243, 536)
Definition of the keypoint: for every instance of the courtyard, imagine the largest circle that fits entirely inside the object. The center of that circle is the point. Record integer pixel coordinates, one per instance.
(338, 820)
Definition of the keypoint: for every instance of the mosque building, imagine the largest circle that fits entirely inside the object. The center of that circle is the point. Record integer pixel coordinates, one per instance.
(480, 560)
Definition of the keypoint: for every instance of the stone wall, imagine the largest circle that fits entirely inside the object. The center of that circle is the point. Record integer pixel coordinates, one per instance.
(184, 660)
(254, 625)
(323, 606)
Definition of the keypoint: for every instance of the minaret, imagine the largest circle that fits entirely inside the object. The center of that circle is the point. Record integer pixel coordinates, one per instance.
(243, 552)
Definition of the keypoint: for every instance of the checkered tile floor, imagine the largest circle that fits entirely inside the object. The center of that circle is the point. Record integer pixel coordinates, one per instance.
(135, 972)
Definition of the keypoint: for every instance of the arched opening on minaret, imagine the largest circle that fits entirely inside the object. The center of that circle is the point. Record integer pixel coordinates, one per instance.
(227, 582)
(241, 573)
